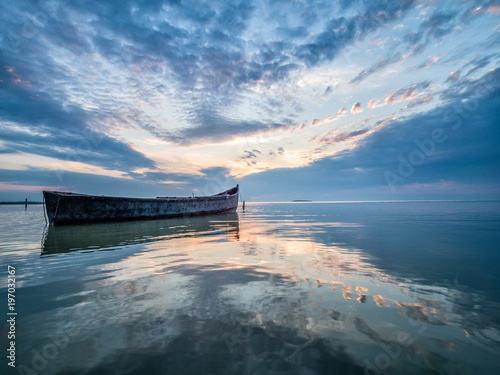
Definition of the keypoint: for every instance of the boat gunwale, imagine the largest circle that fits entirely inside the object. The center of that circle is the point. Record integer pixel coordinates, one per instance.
(219, 196)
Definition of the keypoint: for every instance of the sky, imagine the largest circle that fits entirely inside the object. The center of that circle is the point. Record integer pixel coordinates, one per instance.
(322, 100)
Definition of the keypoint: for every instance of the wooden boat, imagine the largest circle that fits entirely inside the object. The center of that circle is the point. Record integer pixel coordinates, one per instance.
(74, 208)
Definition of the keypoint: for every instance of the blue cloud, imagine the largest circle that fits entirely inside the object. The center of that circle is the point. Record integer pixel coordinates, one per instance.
(340, 32)
(36, 122)
(380, 65)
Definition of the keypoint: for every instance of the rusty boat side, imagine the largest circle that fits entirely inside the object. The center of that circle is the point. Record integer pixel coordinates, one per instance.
(74, 208)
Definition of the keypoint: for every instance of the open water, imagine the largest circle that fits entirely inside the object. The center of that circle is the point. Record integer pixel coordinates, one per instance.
(282, 288)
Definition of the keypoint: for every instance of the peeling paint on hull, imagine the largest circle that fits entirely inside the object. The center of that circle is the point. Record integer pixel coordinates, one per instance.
(73, 208)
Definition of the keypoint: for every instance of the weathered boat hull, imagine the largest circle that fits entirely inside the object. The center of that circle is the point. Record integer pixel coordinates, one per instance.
(72, 208)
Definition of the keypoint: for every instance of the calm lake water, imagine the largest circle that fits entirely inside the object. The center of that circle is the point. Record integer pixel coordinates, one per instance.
(282, 288)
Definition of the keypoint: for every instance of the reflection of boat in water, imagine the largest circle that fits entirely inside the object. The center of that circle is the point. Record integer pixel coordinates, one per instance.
(95, 236)
(72, 208)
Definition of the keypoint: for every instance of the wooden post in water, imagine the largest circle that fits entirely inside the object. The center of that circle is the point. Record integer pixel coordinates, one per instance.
(26, 204)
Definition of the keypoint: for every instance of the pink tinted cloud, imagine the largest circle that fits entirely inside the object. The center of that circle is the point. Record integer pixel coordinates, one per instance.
(494, 9)
(390, 98)
(453, 77)
(356, 108)
(16, 78)
(327, 119)
(408, 94)
(372, 104)
(334, 136)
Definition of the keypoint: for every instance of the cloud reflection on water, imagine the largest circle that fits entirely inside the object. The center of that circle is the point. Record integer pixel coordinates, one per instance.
(264, 295)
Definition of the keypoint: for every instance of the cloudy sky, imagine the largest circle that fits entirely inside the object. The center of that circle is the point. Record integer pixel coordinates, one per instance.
(323, 100)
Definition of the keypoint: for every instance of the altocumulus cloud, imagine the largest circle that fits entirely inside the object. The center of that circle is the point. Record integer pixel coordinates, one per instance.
(199, 47)
(431, 29)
